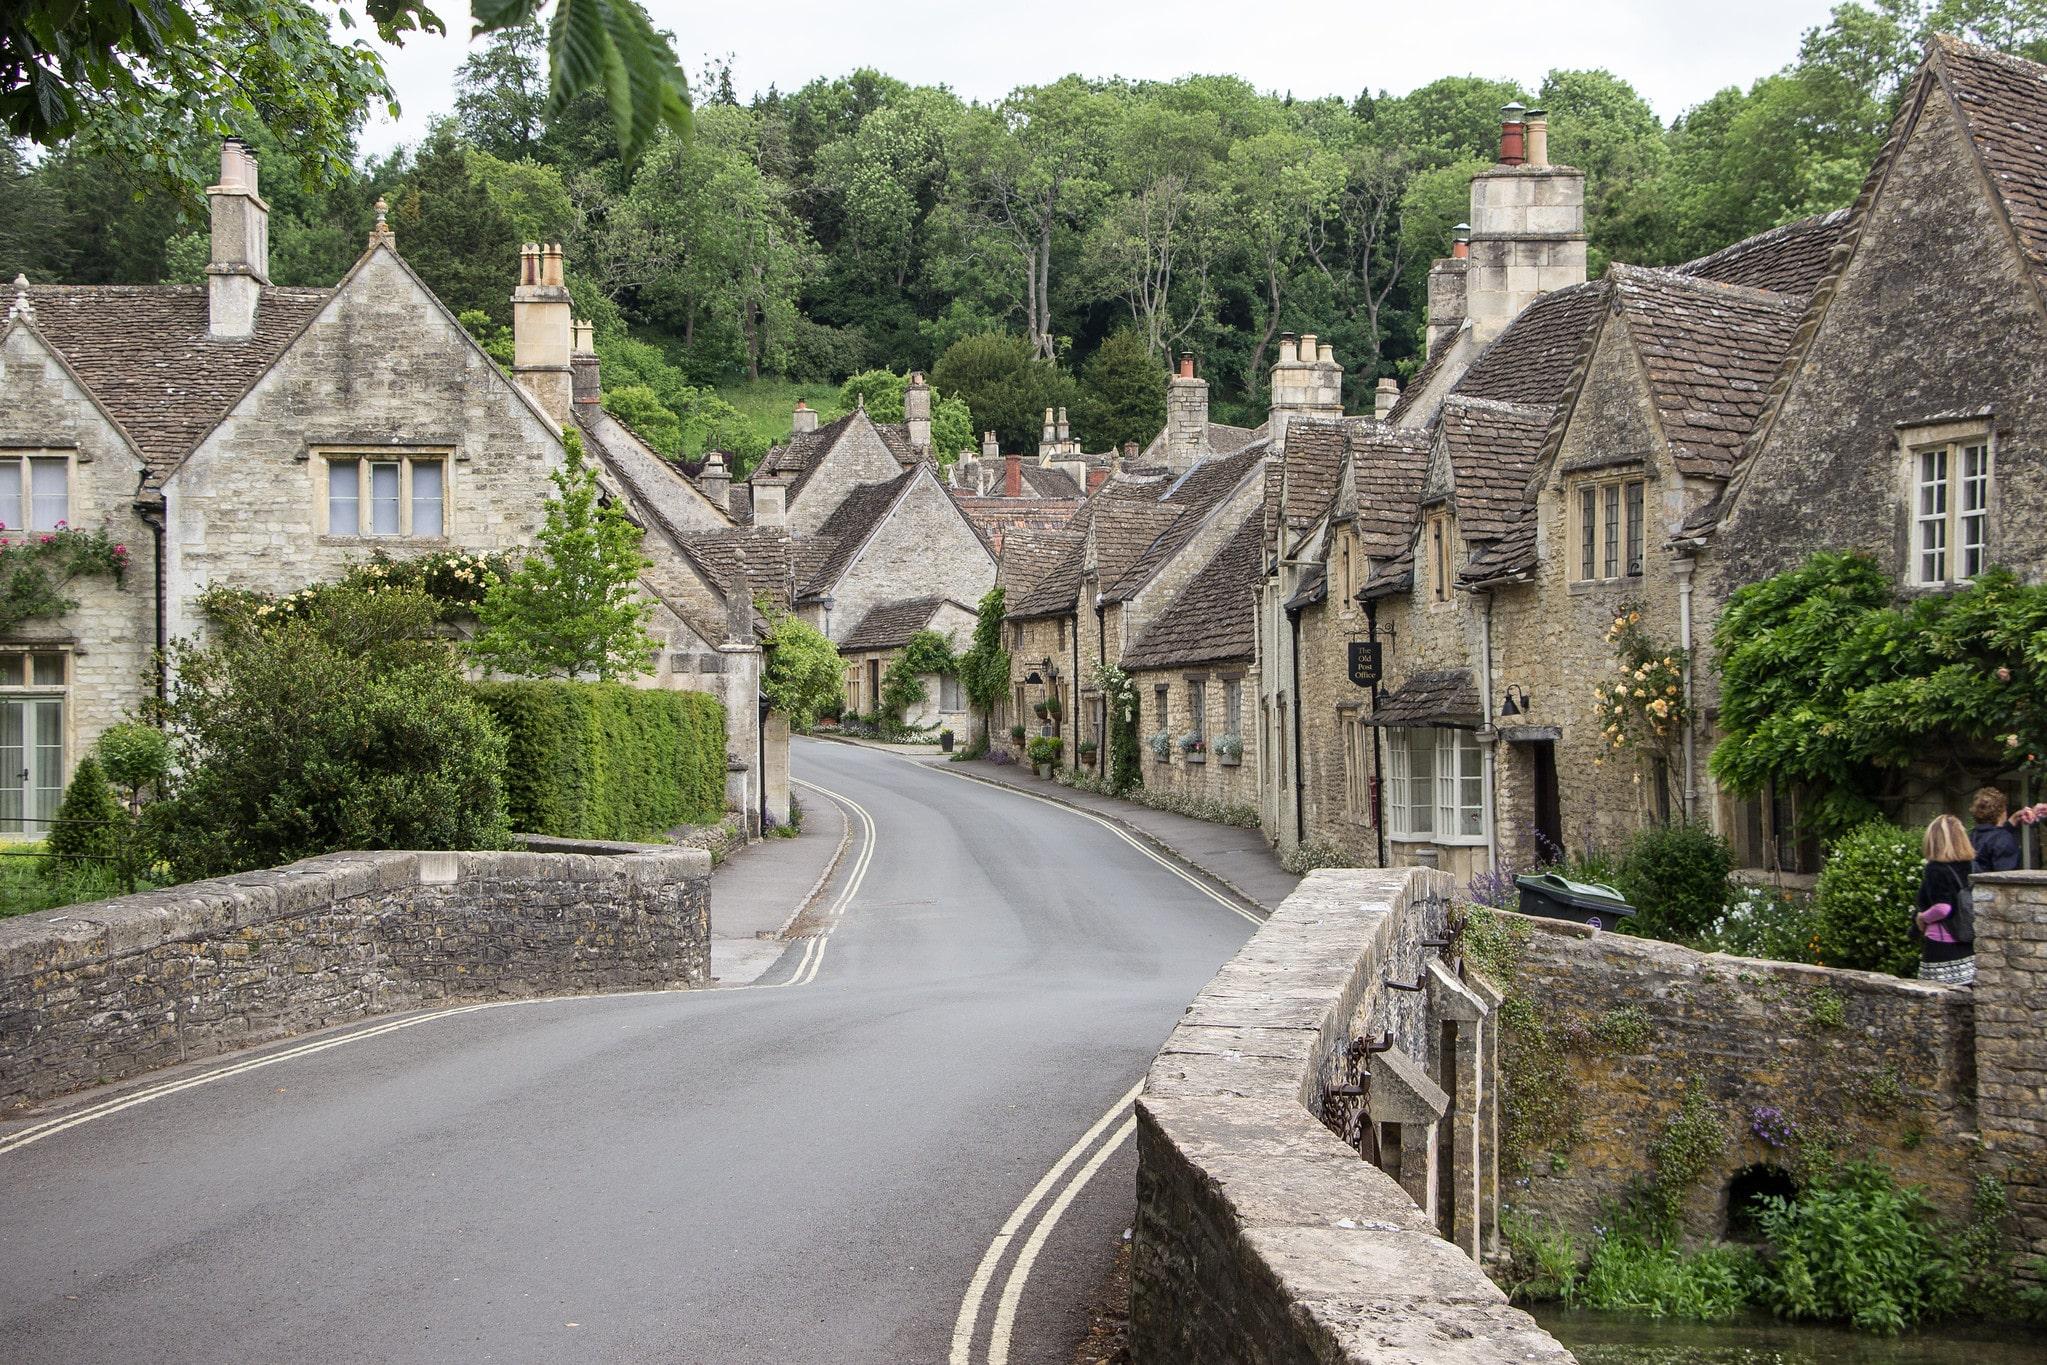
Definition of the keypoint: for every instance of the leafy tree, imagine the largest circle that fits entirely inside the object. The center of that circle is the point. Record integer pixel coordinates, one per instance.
(528, 195)
(984, 668)
(574, 610)
(136, 757)
(90, 825)
(952, 427)
(1004, 385)
(451, 230)
(501, 93)
(880, 390)
(1122, 393)
(804, 677)
(345, 726)
(640, 408)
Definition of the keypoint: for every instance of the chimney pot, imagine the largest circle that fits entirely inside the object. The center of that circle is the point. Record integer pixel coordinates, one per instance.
(803, 419)
(1326, 355)
(1537, 145)
(1385, 397)
(1512, 134)
(1096, 478)
(1460, 243)
(1186, 364)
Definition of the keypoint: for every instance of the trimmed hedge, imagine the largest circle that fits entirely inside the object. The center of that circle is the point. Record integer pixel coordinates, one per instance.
(608, 761)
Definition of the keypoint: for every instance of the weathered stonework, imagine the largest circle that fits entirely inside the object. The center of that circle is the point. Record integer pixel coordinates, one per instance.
(102, 992)
(1261, 1235)
(2011, 1043)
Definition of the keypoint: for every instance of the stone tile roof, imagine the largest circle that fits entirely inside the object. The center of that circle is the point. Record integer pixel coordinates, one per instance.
(1419, 384)
(1269, 505)
(2004, 105)
(1001, 518)
(823, 557)
(1710, 351)
(1193, 496)
(1790, 259)
(1054, 582)
(896, 436)
(1387, 467)
(804, 451)
(1394, 578)
(1533, 360)
(1493, 448)
(1126, 518)
(1513, 554)
(143, 351)
(1313, 459)
(1438, 697)
(1213, 619)
(1224, 439)
(1027, 557)
(746, 559)
(890, 625)
(1043, 481)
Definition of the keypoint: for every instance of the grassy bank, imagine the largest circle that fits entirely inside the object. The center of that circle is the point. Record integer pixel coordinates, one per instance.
(769, 403)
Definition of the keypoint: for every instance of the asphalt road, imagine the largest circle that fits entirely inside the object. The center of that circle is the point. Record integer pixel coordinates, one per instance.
(804, 1174)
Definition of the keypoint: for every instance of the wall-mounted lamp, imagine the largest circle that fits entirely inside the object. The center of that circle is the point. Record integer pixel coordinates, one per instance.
(1515, 701)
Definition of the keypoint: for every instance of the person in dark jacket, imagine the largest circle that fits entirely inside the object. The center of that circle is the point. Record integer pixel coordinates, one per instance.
(1996, 835)
(1946, 916)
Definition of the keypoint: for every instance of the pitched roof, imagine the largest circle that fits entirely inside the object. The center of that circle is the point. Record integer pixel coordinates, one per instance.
(1790, 259)
(1394, 578)
(1532, 361)
(823, 557)
(1212, 620)
(1124, 518)
(1419, 384)
(1493, 448)
(657, 485)
(746, 559)
(1710, 351)
(1439, 696)
(144, 351)
(1313, 459)
(891, 624)
(806, 451)
(2004, 106)
(1191, 497)
(1027, 557)
(1052, 579)
(1387, 467)
(1004, 517)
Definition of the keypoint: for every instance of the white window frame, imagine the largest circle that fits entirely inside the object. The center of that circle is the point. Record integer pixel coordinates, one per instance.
(1450, 795)
(33, 823)
(20, 518)
(1951, 482)
(407, 460)
(1609, 532)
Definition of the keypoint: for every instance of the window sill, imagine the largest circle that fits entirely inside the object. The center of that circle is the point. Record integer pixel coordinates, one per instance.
(361, 542)
(1441, 840)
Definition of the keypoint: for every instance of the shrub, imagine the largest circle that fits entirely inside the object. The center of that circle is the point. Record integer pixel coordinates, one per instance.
(1760, 922)
(1633, 1273)
(1676, 878)
(1857, 1249)
(136, 757)
(90, 827)
(803, 677)
(1043, 749)
(607, 761)
(1863, 902)
(347, 727)
(1016, 733)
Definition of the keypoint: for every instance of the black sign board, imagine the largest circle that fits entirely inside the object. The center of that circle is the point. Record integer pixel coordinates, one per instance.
(1364, 663)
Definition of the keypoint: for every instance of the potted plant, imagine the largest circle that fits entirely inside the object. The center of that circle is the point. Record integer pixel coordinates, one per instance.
(1039, 709)
(1016, 734)
(1194, 747)
(1161, 745)
(945, 741)
(1044, 754)
(1087, 752)
(1053, 708)
(1230, 749)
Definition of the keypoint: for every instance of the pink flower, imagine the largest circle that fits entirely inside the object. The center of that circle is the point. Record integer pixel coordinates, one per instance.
(121, 550)
(2004, 675)
(48, 539)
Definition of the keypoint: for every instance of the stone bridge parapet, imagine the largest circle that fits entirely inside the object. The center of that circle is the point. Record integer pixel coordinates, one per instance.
(1262, 1236)
(101, 992)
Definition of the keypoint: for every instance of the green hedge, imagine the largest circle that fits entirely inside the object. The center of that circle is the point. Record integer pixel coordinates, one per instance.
(607, 761)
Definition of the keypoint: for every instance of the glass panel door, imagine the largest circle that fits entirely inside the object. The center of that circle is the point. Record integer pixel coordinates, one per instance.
(13, 766)
(46, 761)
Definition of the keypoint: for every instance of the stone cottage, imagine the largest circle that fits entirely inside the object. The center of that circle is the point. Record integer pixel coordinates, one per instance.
(238, 434)
(875, 644)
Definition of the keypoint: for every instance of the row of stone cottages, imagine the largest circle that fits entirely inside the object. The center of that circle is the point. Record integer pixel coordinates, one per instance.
(244, 435)
(1383, 633)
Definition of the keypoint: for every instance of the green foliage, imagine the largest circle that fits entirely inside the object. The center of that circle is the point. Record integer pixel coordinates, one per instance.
(1310, 854)
(574, 609)
(1122, 394)
(1005, 386)
(686, 420)
(804, 677)
(1692, 1141)
(902, 683)
(1044, 749)
(1676, 878)
(345, 726)
(1622, 1029)
(608, 761)
(1542, 1264)
(36, 567)
(1864, 900)
(1761, 922)
(1832, 688)
(881, 391)
(641, 409)
(1125, 767)
(455, 581)
(1858, 1250)
(984, 668)
(29, 883)
(1632, 1271)
(90, 825)
(1827, 1008)
(136, 757)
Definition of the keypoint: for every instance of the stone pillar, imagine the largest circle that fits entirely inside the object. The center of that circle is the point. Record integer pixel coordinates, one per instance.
(2011, 1044)
(1402, 1094)
(1450, 999)
(1488, 1114)
(775, 766)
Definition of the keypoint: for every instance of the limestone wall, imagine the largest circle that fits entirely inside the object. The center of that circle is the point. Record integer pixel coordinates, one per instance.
(97, 993)
(2011, 1043)
(1261, 1235)
(1606, 1034)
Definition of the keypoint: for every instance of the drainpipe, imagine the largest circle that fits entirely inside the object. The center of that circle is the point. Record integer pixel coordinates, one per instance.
(1378, 808)
(1485, 711)
(1108, 708)
(1293, 621)
(152, 514)
(1072, 751)
(1683, 568)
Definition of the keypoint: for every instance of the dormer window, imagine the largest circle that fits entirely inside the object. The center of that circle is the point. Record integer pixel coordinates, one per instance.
(1607, 534)
(377, 494)
(1950, 511)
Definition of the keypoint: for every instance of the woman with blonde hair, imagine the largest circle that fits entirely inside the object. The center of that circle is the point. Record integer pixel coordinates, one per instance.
(1947, 950)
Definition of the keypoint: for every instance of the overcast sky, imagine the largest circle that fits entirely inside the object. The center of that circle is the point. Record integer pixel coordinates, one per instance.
(1676, 52)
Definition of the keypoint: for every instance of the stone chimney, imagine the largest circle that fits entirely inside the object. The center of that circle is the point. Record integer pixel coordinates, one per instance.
(239, 264)
(917, 413)
(1527, 228)
(770, 504)
(1048, 435)
(1447, 280)
(716, 481)
(1306, 382)
(583, 364)
(1096, 477)
(542, 330)
(1065, 435)
(1012, 476)
(991, 450)
(1384, 398)
(804, 419)
(1186, 416)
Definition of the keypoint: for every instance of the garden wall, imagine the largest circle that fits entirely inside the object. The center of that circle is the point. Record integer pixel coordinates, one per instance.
(1261, 1236)
(1605, 1035)
(2011, 1042)
(100, 992)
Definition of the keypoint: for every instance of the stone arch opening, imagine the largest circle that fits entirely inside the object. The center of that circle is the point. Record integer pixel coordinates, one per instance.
(1750, 1183)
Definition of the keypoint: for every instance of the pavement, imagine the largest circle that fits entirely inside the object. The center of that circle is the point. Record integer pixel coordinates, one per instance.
(759, 890)
(922, 1103)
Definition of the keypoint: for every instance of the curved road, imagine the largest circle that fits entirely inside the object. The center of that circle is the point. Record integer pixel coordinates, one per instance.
(807, 1174)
